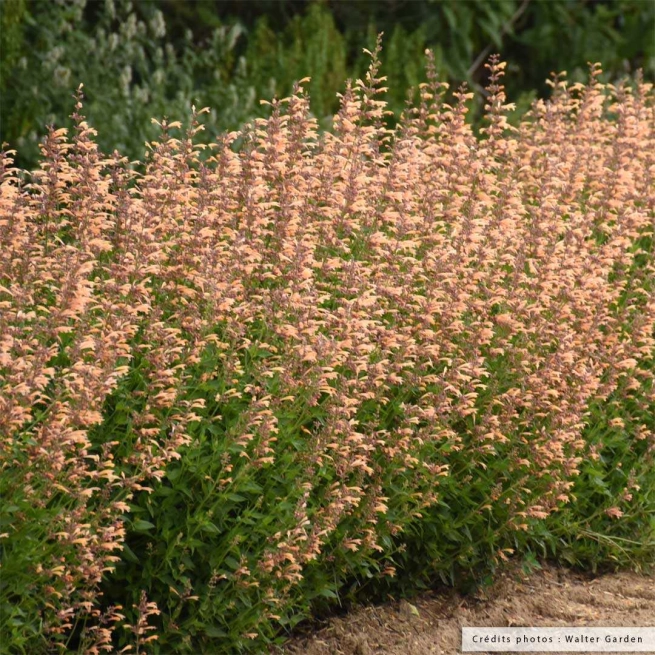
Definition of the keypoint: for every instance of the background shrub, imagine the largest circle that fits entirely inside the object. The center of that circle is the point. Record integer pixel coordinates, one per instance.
(143, 59)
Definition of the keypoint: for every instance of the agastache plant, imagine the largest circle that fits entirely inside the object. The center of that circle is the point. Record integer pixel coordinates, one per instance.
(324, 335)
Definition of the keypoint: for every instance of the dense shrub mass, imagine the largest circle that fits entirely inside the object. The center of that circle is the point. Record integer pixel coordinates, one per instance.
(161, 56)
(272, 372)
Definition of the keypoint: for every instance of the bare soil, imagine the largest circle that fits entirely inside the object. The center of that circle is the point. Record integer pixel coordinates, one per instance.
(431, 624)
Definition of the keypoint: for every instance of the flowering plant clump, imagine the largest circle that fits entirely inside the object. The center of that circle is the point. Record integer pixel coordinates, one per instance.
(255, 375)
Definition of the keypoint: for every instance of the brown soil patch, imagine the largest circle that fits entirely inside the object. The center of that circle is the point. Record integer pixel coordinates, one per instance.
(432, 624)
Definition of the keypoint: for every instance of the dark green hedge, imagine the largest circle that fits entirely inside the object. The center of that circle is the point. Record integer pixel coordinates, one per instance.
(140, 59)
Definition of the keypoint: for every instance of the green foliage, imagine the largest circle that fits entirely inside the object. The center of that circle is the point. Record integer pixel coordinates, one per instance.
(20, 601)
(310, 46)
(158, 58)
(12, 24)
(611, 524)
(190, 541)
(619, 33)
(134, 74)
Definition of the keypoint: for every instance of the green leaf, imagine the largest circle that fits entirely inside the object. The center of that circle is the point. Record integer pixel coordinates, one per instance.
(327, 593)
(173, 474)
(142, 526)
(213, 631)
(232, 563)
(450, 17)
(492, 32)
(210, 528)
(129, 554)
